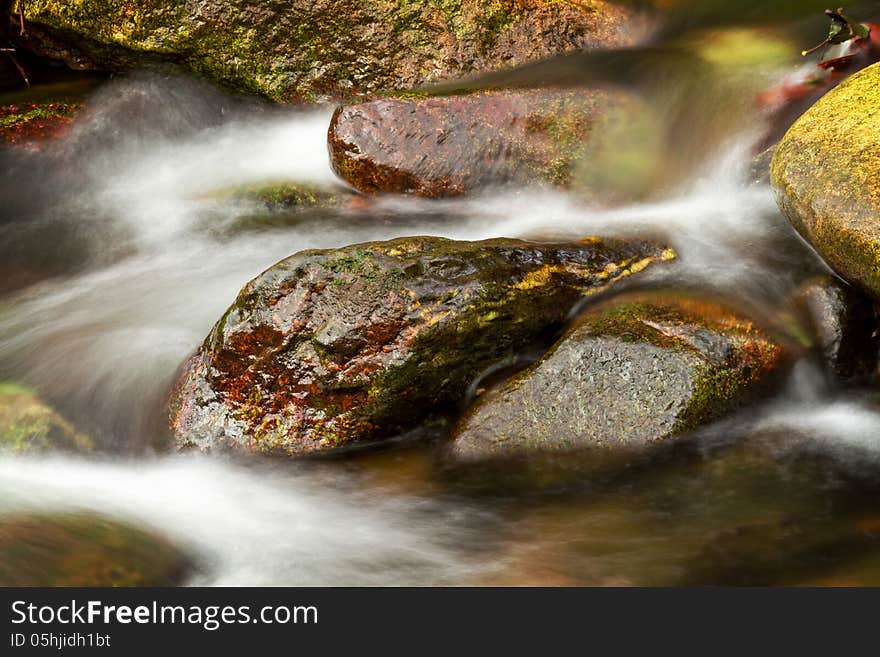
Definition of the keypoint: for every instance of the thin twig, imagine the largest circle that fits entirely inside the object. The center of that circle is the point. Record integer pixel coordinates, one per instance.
(22, 31)
(20, 68)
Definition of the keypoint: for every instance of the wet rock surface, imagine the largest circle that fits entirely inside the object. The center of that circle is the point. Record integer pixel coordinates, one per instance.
(27, 424)
(636, 371)
(30, 123)
(329, 348)
(81, 549)
(451, 145)
(826, 173)
(845, 325)
(286, 50)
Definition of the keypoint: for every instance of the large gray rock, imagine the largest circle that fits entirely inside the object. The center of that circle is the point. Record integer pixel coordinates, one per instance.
(639, 370)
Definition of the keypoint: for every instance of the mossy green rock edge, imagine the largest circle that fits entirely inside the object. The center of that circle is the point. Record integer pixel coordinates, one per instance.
(631, 373)
(826, 174)
(27, 424)
(292, 49)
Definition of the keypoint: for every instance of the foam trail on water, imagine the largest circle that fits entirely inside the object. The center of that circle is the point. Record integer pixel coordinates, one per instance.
(258, 528)
(158, 191)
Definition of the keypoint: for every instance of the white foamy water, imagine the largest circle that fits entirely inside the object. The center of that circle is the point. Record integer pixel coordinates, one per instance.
(259, 528)
(157, 190)
(841, 428)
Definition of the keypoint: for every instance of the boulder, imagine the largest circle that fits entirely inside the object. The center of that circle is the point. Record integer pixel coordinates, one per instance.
(328, 348)
(27, 424)
(291, 49)
(447, 146)
(84, 549)
(844, 324)
(826, 173)
(634, 372)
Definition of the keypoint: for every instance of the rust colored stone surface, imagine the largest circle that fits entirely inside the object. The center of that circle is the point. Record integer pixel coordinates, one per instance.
(329, 348)
(32, 124)
(448, 146)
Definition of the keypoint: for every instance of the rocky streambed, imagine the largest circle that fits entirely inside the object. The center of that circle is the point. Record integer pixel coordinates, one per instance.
(557, 324)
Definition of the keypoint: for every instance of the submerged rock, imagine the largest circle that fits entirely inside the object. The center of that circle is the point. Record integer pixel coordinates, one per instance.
(759, 168)
(83, 549)
(27, 424)
(826, 173)
(630, 373)
(30, 124)
(284, 195)
(278, 204)
(451, 145)
(291, 48)
(845, 326)
(331, 347)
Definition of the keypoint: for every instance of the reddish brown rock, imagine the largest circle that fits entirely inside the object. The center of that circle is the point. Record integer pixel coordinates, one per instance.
(32, 124)
(328, 348)
(451, 145)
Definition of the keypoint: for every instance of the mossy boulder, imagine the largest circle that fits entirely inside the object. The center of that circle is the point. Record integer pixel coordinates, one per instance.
(826, 173)
(628, 374)
(287, 49)
(844, 322)
(84, 549)
(30, 124)
(447, 146)
(27, 424)
(329, 348)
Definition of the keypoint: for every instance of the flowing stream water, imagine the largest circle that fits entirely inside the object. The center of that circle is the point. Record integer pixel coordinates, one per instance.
(126, 216)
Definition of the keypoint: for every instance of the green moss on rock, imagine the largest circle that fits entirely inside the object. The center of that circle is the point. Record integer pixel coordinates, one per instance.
(83, 549)
(826, 173)
(291, 49)
(30, 123)
(27, 424)
(283, 195)
(635, 371)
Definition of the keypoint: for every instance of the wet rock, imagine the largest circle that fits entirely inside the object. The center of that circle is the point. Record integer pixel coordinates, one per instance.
(289, 49)
(275, 205)
(80, 549)
(30, 124)
(451, 145)
(693, 506)
(285, 195)
(629, 374)
(759, 168)
(27, 424)
(327, 348)
(826, 173)
(844, 324)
